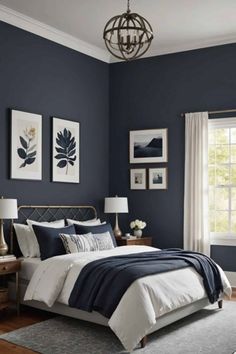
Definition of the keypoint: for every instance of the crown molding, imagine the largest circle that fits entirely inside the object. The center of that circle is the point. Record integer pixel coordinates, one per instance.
(194, 45)
(29, 24)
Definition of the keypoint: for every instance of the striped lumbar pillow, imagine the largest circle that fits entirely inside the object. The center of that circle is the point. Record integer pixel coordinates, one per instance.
(87, 242)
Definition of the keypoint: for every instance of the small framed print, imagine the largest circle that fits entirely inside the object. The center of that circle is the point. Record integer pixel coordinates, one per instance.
(65, 151)
(138, 178)
(158, 178)
(148, 146)
(26, 145)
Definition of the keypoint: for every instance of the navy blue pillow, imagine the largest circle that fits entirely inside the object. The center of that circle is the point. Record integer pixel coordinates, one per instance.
(97, 229)
(50, 243)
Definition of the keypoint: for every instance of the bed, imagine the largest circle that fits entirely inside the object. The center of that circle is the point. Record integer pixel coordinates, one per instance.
(140, 312)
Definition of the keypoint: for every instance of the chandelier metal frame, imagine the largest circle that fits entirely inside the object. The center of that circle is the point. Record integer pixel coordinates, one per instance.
(128, 36)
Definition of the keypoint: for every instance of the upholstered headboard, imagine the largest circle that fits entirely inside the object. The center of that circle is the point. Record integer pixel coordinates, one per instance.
(50, 213)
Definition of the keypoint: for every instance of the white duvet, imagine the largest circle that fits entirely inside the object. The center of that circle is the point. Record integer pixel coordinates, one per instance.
(144, 301)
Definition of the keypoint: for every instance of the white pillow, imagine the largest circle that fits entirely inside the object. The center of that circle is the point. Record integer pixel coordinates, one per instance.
(87, 243)
(27, 240)
(104, 240)
(92, 222)
(55, 224)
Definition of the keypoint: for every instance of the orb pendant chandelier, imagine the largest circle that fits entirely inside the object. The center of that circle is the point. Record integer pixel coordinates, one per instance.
(128, 36)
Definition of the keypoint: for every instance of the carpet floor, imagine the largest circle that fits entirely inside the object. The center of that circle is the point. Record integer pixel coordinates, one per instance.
(209, 331)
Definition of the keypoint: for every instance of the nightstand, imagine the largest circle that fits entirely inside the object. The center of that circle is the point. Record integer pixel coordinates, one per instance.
(146, 241)
(11, 267)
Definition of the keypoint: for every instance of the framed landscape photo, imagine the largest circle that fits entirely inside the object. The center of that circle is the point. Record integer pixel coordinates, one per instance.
(138, 178)
(158, 178)
(65, 151)
(26, 145)
(148, 146)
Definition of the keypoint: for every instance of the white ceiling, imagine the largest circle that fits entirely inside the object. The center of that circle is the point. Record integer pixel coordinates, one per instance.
(177, 24)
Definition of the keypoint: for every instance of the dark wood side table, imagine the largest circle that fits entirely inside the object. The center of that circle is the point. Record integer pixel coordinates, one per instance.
(146, 241)
(11, 267)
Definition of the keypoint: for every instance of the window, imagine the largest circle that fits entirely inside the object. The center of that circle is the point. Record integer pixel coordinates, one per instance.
(222, 180)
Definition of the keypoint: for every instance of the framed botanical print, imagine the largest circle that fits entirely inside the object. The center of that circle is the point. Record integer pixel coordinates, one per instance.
(138, 178)
(148, 146)
(158, 178)
(65, 151)
(26, 145)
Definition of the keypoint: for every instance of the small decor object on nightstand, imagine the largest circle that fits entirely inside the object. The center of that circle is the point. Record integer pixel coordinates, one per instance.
(138, 226)
(8, 210)
(7, 258)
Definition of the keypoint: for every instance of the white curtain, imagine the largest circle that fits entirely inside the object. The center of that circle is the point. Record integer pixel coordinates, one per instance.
(196, 234)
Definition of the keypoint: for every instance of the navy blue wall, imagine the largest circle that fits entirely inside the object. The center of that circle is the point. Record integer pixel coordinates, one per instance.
(39, 76)
(43, 77)
(151, 93)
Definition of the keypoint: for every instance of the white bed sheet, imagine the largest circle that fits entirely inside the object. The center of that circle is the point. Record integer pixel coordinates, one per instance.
(28, 267)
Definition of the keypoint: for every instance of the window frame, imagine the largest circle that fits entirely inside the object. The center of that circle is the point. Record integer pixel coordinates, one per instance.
(223, 238)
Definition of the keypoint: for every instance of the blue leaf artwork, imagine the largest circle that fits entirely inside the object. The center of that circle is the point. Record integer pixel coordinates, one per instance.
(27, 151)
(66, 149)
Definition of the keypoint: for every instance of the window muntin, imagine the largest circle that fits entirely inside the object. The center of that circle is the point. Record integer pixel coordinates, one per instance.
(222, 178)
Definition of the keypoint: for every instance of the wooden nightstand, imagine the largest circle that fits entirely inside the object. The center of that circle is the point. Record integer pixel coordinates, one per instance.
(11, 267)
(146, 241)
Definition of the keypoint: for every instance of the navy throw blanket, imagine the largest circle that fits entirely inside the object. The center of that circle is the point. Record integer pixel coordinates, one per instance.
(102, 283)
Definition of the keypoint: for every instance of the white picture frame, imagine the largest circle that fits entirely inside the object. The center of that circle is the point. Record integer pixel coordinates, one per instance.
(148, 146)
(65, 164)
(158, 178)
(26, 145)
(137, 178)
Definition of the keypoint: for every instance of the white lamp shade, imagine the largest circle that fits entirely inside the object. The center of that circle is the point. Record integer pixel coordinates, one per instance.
(116, 205)
(8, 209)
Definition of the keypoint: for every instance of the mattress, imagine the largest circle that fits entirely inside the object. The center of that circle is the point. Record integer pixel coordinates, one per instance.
(28, 267)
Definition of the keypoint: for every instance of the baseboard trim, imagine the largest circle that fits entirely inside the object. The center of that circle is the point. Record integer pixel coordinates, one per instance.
(232, 279)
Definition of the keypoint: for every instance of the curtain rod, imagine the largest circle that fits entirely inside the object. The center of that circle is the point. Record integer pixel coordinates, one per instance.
(217, 112)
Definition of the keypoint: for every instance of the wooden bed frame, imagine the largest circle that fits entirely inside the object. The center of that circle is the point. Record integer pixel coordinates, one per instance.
(82, 213)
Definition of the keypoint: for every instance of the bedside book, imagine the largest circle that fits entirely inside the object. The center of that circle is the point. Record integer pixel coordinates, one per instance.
(128, 237)
(7, 258)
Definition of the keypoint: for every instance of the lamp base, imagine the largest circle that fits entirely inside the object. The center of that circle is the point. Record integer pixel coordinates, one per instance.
(117, 232)
(3, 249)
(3, 245)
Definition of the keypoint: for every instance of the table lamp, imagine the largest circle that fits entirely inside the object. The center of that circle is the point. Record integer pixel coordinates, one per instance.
(116, 205)
(8, 210)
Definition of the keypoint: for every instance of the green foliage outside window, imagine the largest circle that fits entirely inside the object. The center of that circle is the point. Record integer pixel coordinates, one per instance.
(222, 180)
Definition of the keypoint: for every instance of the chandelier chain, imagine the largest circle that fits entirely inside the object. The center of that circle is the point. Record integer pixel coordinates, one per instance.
(128, 6)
